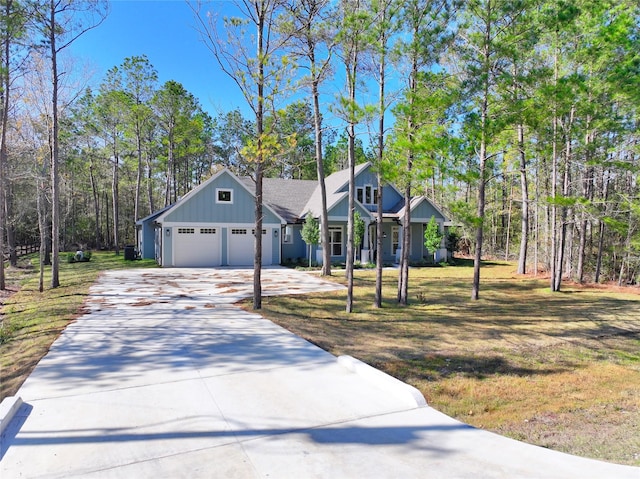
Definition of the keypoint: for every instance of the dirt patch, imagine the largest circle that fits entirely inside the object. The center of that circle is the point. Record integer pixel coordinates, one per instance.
(142, 302)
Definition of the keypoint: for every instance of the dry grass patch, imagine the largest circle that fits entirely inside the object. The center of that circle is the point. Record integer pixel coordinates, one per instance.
(558, 370)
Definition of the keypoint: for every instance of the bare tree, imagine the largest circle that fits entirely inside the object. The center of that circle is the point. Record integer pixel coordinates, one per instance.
(261, 74)
(60, 23)
(12, 26)
(312, 42)
(353, 39)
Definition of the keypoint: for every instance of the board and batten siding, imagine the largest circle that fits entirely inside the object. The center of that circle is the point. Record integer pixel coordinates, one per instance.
(424, 211)
(340, 209)
(202, 207)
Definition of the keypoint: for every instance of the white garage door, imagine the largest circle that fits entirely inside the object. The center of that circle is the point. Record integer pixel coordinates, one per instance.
(241, 247)
(196, 247)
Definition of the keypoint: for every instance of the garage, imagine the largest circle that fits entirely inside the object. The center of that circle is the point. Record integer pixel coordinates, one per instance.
(241, 247)
(197, 247)
(211, 226)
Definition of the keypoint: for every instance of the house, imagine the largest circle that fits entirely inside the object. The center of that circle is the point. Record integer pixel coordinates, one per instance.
(213, 225)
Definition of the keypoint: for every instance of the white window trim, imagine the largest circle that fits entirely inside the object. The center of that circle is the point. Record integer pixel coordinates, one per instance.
(331, 242)
(367, 190)
(287, 237)
(230, 190)
(398, 245)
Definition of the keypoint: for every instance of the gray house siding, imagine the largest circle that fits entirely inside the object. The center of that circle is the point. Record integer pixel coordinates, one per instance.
(167, 246)
(390, 197)
(275, 245)
(341, 208)
(297, 248)
(224, 260)
(417, 243)
(424, 211)
(203, 208)
(146, 240)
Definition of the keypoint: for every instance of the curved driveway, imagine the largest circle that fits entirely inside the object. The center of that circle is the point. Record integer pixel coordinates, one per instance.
(164, 377)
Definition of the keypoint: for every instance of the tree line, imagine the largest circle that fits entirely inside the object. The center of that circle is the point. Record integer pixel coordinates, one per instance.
(518, 118)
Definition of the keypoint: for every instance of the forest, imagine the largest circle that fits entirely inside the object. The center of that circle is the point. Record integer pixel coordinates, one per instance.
(519, 118)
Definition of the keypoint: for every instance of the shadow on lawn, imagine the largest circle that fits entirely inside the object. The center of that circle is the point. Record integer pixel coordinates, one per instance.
(477, 366)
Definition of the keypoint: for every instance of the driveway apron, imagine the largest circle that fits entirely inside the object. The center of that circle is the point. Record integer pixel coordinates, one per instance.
(165, 377)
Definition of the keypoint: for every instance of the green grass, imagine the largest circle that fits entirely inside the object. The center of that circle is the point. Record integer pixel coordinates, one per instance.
(554, 369)
(32, 320)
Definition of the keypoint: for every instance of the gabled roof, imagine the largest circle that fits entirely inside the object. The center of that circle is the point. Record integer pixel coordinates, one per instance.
(153, 216)
(285, 196)
(415, 202)
(203, 185)
(334, 183)
(290, 200)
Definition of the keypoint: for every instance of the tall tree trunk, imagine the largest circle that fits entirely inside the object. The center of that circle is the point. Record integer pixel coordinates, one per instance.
(587, 191)
(259, 171)
(554, 175)
(484, 114)
(96, 203)
(115, 201)
(55, 176)
(403, 273)
(605, 187)
(524, 189)
(403, 276)
(566, 185)
(4, 122)
(136, 201)
(379, 237)
(324, 216)
(350, 228)
(382, 70)
(42, 227)
(352, 70)
(150, 183)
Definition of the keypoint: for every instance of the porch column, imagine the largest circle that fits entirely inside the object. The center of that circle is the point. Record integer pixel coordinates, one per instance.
(400, 243)
(364, 254)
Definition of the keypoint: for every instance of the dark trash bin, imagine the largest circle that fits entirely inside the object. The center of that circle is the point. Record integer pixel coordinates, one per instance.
(129, 252)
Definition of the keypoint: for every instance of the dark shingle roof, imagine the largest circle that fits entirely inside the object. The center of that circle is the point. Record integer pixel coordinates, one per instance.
(285, 196)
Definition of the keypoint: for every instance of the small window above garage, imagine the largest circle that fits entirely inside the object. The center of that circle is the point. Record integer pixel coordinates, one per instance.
(224, 196)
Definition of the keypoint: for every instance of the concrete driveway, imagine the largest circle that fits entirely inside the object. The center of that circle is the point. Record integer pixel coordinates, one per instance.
(164, 377)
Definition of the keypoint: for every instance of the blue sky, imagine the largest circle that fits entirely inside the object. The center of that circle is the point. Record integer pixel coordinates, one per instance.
(164, 31)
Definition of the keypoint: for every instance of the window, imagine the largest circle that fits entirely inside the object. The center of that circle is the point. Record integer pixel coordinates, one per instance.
(186, 231)
(367, 195)
(224, 195)
(335, 241)
(236, 231)
(395, 239)
(288, 235)
(207, 231)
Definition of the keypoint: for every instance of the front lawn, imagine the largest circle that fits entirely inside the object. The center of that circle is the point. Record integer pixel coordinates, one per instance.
(558, 370)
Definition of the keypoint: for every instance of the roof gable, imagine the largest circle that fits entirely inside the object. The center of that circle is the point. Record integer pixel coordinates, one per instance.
(201, 205)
